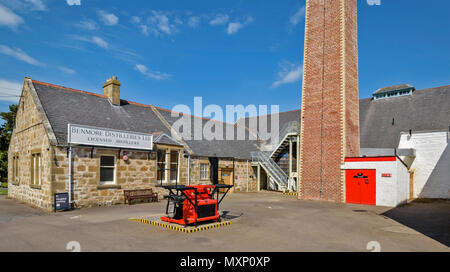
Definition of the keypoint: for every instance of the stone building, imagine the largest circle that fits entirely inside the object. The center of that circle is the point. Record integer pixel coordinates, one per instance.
(42, 162)
(395, 119)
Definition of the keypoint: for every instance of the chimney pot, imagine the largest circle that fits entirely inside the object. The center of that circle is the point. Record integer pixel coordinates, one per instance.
(111, 89)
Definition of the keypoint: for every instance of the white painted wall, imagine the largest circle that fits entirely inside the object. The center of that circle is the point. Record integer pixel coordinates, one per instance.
(432, 163)
(390, 191)
(402, 183)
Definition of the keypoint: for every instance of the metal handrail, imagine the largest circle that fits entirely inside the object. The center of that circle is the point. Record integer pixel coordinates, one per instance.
(292, 127)
(276, 172)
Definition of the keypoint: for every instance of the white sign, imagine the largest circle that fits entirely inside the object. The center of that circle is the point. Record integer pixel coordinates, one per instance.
(85, 135)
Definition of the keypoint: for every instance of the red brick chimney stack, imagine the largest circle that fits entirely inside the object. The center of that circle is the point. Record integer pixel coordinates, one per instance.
(330, 106)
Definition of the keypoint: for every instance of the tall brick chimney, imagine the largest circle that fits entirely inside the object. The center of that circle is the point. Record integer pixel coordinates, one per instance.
(330, 106)
(111, 89)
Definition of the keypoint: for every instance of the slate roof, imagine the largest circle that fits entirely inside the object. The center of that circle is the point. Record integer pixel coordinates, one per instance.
(226, 148)
(63, 106)
(166, 139)
(381, 121)
(394, 88)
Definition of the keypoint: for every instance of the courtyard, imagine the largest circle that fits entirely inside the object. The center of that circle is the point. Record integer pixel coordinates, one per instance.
(265, 221)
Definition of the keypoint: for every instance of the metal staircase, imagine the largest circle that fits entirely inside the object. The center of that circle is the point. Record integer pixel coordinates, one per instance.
(278, 177)
(289, 130)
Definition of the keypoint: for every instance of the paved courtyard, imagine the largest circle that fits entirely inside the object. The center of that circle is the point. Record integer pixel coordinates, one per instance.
(267, 221)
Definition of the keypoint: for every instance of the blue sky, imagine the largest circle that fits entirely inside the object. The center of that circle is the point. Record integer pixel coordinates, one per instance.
(229, 52)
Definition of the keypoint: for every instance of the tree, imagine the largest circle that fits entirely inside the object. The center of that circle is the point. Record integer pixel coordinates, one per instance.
(5, 136)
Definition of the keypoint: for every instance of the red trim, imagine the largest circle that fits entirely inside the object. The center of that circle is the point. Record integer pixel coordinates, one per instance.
(364, 159)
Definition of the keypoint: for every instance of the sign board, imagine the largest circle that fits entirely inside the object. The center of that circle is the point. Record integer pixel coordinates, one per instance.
(62, 201)
(95, 136)
(386, 175)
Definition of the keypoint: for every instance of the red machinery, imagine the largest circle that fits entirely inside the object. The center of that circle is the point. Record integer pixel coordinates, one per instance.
(191, 204)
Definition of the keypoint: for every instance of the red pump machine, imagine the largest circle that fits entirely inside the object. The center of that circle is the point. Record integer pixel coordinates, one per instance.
(192, 204)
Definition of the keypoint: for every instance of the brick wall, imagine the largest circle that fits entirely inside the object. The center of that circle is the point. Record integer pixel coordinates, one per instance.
(330, 129)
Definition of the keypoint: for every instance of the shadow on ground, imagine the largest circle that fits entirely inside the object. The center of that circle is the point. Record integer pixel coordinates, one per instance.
(429, 217)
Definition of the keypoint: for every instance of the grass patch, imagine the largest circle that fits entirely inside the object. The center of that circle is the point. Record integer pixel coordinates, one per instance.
(4, 192)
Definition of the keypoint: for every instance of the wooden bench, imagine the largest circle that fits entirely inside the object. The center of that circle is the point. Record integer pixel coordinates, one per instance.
(140, 194)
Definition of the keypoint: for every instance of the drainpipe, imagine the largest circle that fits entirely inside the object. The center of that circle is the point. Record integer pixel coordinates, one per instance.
(70, 177)
(189, 169)
(247, 175)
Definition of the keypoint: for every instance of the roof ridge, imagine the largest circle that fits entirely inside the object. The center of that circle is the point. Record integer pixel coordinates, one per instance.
(195, 116)
(433, 88)
(85, 92)
(66, 88)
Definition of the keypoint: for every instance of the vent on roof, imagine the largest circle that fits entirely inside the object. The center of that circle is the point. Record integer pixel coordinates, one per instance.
(394, 91)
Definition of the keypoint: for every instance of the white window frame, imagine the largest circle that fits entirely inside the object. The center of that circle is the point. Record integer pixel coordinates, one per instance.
(114, 167)
(170, 165)
(36, 168)
(204, 173)
(163, 171)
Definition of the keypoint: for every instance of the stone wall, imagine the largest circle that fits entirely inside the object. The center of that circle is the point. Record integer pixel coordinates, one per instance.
(138, 172)
(240, 173)
(29, 136)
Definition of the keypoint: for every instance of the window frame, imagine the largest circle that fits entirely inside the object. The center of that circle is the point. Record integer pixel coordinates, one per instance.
(114, 167)
(177, 166)
(15, 172)
(35, 169)
(203, 171)
(162, 176)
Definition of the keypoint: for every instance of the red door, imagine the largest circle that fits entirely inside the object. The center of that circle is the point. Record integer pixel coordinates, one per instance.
(361, 186)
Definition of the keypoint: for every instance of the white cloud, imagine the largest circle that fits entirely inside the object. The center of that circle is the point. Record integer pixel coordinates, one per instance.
(67, 70)
(100, 42)
(160, 23)
(73, 2)
(108, 19)
(220, 19)
(374, 2)
(298, 16)
(37, 5)
(144, 29)
(136, 19)
(153, 75)
(94, 40)
(88, 24)
(19, 54)
(234, 27)
(9, 18)
(194, 21)
(290, 73)
(10, 90)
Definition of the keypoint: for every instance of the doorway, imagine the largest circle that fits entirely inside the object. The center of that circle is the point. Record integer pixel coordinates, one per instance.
(226, 177)
(361, 186)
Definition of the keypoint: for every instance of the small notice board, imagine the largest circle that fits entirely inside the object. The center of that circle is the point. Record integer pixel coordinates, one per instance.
(62, 202)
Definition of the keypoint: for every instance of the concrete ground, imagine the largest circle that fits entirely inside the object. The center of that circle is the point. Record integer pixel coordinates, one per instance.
(267, 221)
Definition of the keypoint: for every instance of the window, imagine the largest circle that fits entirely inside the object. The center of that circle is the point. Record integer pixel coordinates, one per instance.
(161, 166)
(36, 169)
(15, 172)
(173, 165)
(107, 169)
(204, 171)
